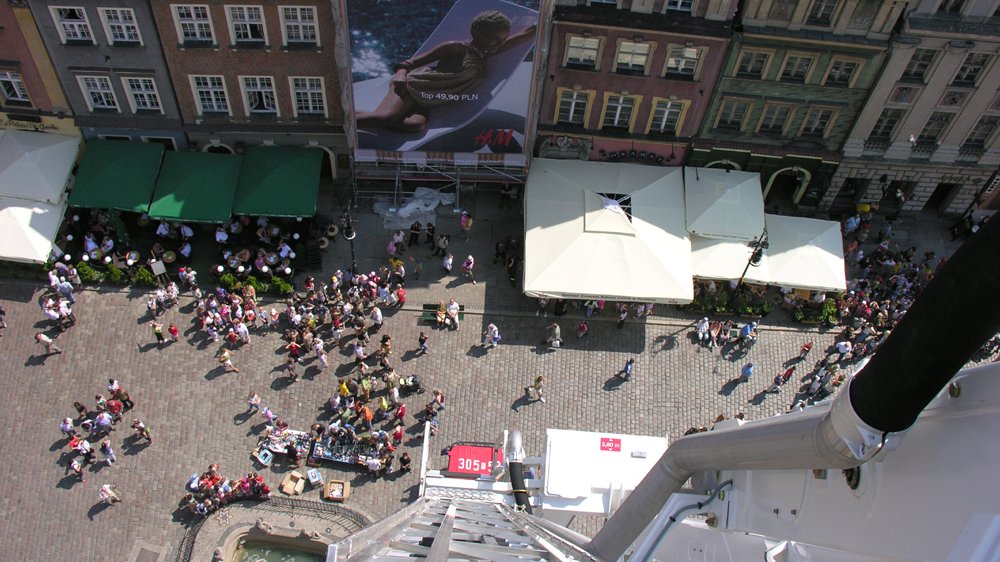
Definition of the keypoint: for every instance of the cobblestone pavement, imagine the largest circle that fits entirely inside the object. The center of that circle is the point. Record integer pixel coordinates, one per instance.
(197, 413)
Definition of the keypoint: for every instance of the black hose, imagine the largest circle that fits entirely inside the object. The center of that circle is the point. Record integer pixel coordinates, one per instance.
(946, 325)
(516, 470)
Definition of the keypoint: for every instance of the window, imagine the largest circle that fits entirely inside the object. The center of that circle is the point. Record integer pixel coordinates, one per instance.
(935, 126)
(886, 124)
(14, 92)
(581, 53)
(142, 94)
(919, 64)
(950, 6)
(903, 94)
(752, 64)
(573, 107)
(679, 5)
(970, 69)
(774, 119)
(632, 57)
(796, 68)
(842, 73)
(309, 95)
(259, 95)
(120, 26)
(299, 25)
(682, 62)
(983, 130)
(98, 92)
(817, 122)
(732, 114)
(210, 92)
(193, 24)
(618, 112)
(821, 12)
(246, 24)
(72, 24)
(667, 117)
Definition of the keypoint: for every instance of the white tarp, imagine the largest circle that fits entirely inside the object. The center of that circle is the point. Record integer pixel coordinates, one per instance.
(805, 253)
(580, 245)
(723, 204)
(725, 260)
(27, 229)
(36, 166)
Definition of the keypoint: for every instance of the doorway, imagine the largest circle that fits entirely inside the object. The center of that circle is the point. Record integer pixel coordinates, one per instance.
(941, 196)
(781, 194)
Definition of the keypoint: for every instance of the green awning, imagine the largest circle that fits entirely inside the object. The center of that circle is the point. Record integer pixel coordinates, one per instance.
(196, 187)
(116, 175)
(279, 181)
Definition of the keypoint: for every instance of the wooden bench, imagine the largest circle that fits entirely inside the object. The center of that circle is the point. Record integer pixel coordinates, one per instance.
(429, 313)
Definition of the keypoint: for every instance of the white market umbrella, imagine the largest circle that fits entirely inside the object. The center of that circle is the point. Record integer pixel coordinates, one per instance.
(723, 204)
(27, 229)
(36, 166)
(805, 253)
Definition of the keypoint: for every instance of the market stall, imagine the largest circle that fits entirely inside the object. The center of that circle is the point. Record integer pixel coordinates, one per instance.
(343, 448)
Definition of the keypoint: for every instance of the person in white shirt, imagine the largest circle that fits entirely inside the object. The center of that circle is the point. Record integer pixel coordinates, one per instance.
(89, 245)
(703, 334)
(221, 236)
(186, 231)
(453, 309)
(185, 249)
(284, 249)
(163, 229)
(107, 244)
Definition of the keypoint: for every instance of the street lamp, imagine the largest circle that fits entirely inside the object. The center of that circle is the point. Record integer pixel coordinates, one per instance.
(350, 234)
(759, 245)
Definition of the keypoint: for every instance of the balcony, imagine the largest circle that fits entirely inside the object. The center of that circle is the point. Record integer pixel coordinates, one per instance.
(602, 15)
(876, 145)
(954, 23)
(970, 152)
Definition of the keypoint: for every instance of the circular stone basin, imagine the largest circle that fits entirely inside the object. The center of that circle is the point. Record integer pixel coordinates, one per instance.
(254, 550)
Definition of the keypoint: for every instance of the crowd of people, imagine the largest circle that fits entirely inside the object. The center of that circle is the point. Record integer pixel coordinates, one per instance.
(209, 491)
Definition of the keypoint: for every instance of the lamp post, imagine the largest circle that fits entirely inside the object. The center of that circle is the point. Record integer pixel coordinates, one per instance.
(350, 234)
(758, 244)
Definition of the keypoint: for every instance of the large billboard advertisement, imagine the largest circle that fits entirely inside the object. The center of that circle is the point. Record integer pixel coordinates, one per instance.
(449, 76)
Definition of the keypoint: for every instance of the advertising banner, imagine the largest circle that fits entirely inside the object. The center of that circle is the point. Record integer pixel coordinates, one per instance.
(443, 76)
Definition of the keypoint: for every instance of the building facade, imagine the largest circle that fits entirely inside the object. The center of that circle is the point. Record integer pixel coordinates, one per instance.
(630, 80)
(108, 59)
(31, 98)
(255, 74)
(795, 80)
(927, 137)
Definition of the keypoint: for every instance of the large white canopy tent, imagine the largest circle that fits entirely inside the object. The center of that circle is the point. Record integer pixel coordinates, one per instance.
(36, 166)
(723, 204)
(606, 231)
(27, 229)
(805, 253)
(723, 260)
(34, 172)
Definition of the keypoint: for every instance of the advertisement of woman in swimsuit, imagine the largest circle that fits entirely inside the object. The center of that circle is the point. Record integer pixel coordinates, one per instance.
(441, 75)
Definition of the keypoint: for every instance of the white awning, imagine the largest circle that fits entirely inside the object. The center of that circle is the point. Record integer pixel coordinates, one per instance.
(725, 260)
(723, 204)
(805, 253)
(606, 231)
(27, 229)
(36, 166)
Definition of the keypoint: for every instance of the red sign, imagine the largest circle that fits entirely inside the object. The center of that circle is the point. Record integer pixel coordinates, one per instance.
(471, 459)
(611, 444)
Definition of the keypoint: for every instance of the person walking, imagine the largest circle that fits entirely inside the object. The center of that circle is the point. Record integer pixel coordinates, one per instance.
(622, 316)
(438, 399)
(491, 336)
(253, 402)
(414, 233)
(441, 245)
(447, 262)
(465, 224)
(534, 391)
(290, 370)
(108, 452)
(628, 369)
(77, 467)
(65, 289)
(422, 343)
(467, 266)
(48, 343)
(66, 426)
(109, 494)
(175, 333)
(226, 359)
(158, 332)
(429, 234)
(142, 431)
(553, 336)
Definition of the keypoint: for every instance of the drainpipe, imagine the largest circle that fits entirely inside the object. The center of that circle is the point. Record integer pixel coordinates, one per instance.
(955, 314)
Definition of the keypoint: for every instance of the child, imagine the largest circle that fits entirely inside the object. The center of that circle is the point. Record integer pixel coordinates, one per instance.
(583, 329)
(174, 332)
(422, 342)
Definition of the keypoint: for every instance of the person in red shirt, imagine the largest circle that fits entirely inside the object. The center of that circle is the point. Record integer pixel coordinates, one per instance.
(400, 296)
(115, 408)
(174, 332)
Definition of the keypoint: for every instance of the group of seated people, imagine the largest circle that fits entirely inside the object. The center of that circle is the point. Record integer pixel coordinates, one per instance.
(210, 491)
